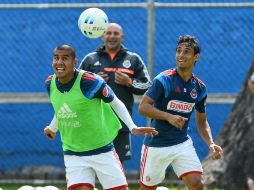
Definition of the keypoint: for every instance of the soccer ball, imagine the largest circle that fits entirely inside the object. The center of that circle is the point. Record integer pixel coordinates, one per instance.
(26, 187)
(38, 188)
(93, 22)
(51, 187)
(162, 188)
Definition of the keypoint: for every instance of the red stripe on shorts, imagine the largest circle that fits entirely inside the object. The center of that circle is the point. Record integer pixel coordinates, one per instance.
(119, 162)
(79, 185)
(191, 172)
(143, 162)
(119, 187)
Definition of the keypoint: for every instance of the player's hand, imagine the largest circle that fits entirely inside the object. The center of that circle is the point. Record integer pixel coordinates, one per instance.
(144, 131)
(122, 78)
(177, 120)
(103, 75)
(216, 150)
(50, 134)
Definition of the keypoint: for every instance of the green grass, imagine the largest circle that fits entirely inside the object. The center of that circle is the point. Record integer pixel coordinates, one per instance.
(63, 187)
(15, 187)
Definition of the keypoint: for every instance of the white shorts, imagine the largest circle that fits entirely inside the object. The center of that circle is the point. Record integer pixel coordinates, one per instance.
(155, 160)
(82, 171)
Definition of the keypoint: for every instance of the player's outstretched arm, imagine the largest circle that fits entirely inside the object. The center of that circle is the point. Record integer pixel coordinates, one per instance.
(50, 134)
(205, 132)
(144, 131)
(50, 131)
(124, 115)
(216, 150)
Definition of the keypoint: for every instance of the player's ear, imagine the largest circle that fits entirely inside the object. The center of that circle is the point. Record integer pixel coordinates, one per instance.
(75, 61)
(197, 56)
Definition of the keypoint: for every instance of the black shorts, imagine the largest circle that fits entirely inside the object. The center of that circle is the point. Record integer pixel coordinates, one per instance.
(122, 145)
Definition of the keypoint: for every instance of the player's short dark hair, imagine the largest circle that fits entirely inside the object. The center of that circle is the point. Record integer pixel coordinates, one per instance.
(191, 40)
(66, 47)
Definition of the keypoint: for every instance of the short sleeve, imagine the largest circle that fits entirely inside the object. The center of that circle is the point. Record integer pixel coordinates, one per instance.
(201, 105)
(156, 90)
(105, 93)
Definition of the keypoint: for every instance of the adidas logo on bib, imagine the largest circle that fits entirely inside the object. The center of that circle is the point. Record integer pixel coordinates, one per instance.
(66, 112)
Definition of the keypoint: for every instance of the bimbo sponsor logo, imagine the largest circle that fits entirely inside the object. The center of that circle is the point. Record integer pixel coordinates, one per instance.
(180, 106)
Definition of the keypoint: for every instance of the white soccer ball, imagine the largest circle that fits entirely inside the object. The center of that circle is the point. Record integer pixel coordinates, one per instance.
(38, 188)
(162, 188)
(93, 22)
(51, 187)
(26, 187)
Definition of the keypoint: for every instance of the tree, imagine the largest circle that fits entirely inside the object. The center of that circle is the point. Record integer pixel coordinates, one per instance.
(237, 140)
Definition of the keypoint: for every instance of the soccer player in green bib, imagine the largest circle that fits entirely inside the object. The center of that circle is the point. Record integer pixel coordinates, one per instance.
(85, 108)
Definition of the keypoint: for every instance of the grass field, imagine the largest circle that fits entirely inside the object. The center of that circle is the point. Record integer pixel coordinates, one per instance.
(63, 187)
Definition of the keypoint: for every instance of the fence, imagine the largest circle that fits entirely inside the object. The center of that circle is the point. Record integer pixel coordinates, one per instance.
(31, 31)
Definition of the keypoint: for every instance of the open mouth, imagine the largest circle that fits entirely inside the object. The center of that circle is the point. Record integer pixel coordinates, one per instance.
(60, 69)
(112, 42)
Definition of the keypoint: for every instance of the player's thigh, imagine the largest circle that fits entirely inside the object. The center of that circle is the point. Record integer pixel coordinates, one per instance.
(154, 162)
(109, 170)
(186, 161)
(79, 172)
(122, 144)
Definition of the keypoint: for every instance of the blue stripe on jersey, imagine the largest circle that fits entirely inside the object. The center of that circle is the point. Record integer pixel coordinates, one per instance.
(203, 95)
(93, 86)
(162, 78)
(90, 93)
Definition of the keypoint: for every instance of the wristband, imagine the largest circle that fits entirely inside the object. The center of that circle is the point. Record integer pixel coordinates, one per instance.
(132, 127)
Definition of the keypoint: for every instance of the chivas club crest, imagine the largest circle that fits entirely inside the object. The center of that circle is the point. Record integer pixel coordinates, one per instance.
(194, 93)
(127, 64)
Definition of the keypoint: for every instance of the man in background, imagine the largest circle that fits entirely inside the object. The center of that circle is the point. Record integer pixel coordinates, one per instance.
(124, 71)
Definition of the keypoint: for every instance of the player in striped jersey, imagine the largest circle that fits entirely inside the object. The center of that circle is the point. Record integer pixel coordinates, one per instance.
(170, 102)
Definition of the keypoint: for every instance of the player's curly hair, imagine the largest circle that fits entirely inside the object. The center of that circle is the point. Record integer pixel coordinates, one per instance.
(192, 41)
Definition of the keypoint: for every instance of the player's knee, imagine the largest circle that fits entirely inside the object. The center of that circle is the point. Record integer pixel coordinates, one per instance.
(143, 187)
(196, 185)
